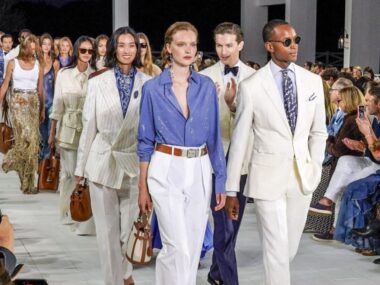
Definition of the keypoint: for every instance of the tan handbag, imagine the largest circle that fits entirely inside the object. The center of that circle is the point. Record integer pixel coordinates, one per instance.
(48, 178)
(139, 246)
(80, 204)
(6, 133)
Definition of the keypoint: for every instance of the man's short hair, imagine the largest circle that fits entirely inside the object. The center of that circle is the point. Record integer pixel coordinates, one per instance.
(270, 26)
(229, 28)
(331, 72)
(373, 88)
(5, 36)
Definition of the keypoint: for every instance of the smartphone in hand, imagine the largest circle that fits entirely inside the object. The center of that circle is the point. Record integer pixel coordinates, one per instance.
(361, 112)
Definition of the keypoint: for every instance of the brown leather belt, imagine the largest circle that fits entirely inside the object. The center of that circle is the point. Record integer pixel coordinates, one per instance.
(189, 153)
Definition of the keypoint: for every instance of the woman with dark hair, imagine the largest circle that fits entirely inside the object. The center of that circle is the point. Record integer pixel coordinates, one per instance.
(179, 147)
(148, 67)
(47, 57)
(107, 153)
(27, 108)
(101, 50)
(69, 95)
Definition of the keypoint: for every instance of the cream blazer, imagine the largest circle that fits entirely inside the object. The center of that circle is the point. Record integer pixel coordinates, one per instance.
(69, 94)
(275, 149)
(108, 144)
(226, 117)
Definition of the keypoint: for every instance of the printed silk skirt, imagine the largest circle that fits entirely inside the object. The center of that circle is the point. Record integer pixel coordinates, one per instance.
(23, 156)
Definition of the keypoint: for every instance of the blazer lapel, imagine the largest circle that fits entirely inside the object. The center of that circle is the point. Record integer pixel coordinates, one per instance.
(112, 97)
(301, 101)
(270, 88)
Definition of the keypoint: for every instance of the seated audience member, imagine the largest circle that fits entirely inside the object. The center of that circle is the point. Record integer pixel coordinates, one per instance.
(330, 75)
(368, 73)
(357, 72)
(349, 99)
(308, 65)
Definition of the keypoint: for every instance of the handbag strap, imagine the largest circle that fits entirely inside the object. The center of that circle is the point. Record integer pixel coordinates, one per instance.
(5, 111)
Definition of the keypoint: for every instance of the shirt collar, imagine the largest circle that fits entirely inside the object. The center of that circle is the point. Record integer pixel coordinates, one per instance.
(165, 77)
(276, 69)
(76, 71)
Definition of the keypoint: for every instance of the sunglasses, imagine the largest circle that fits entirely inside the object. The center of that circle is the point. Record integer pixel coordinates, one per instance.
(143, 45)
(84, 50)
(288, 41)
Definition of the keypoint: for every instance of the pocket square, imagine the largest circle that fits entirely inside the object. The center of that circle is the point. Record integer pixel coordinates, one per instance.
(312, 97)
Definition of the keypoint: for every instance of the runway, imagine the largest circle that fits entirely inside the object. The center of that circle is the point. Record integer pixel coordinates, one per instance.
(52, 251)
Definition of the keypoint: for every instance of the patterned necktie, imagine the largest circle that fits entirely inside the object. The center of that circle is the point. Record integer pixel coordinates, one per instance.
(290, 100)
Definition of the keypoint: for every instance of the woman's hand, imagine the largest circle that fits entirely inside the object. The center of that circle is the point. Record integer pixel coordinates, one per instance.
(42, 115)
(51, 140)
(220, 201)
(364, 125)
(78, 179)
(145, 203)
(354, 144)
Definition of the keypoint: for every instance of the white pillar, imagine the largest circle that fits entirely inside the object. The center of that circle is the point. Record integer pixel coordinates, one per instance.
(120, 13)
(302, 15)
(362, 24)
(253, 18)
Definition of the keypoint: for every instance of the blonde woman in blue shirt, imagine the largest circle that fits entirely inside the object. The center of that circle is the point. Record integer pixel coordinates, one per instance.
(179, 147)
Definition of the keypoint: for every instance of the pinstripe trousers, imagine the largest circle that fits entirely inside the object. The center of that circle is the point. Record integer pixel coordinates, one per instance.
(114, 211)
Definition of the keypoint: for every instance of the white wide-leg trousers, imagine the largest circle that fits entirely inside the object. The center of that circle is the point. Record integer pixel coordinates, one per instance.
(181, 190)
(280, 224)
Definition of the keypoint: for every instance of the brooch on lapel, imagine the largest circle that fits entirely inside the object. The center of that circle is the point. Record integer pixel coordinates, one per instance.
(312, 97)
(135, 94)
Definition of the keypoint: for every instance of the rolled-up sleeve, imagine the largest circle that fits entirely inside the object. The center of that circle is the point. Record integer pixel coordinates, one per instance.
(146, 131)
(215, 145)
(58, 105)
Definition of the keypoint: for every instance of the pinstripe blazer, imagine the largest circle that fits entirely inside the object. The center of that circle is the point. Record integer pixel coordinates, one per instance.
(107, 147)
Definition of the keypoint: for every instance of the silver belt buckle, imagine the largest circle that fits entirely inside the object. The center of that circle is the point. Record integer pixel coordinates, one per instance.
(192, 153)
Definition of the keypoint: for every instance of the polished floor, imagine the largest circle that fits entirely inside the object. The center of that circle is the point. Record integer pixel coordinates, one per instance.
(52, 251)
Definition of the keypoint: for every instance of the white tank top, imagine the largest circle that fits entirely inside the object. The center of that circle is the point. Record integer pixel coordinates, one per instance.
(25, 79)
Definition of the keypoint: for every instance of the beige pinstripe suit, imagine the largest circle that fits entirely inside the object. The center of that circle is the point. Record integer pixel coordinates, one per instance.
(107, 156)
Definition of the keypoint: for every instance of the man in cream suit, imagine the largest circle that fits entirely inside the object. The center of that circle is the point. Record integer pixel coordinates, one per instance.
(227, 73)
(284, 106)
(107, 153)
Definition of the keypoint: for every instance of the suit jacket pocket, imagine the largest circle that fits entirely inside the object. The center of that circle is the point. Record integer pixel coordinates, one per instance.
(128, 162)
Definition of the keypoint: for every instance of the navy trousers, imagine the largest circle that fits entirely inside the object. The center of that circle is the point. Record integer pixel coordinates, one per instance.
(224, 267)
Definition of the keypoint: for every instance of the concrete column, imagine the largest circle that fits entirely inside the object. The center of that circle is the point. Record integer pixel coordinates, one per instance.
(362, 24)
(120, 13)
(302, 15)
(254, 15)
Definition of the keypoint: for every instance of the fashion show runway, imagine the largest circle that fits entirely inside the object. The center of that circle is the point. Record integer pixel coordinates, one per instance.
(52, 251)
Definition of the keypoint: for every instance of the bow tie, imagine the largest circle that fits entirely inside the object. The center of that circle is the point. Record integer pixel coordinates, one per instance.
(234, 70)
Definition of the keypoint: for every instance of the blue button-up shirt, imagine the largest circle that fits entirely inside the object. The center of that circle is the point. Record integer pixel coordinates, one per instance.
(162, 120)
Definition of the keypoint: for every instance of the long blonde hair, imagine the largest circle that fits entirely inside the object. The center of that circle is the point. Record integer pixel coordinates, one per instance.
(148, 61)
(65, 39)
(177, 26)
(329, 107)
(352, 97)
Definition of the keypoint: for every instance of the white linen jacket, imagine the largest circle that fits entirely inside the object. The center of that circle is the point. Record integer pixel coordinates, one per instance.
(108, 144)
(275, 148)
